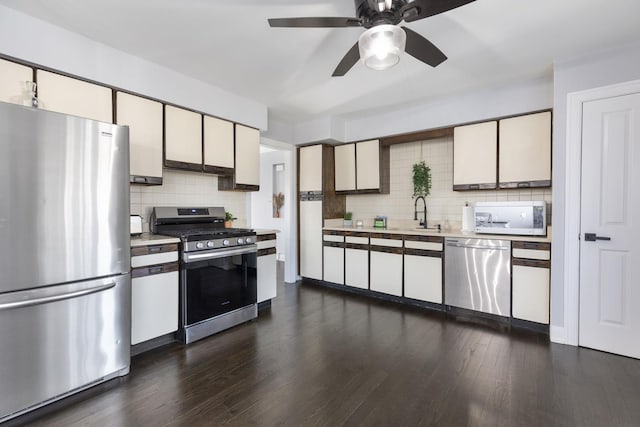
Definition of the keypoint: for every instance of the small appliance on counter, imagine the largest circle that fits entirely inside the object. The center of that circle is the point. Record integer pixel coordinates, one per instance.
(519, 218)
(467, 218)
(380, 222)
(135, 225)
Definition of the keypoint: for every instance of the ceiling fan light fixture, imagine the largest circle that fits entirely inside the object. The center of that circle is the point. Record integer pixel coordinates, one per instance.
(381, 46)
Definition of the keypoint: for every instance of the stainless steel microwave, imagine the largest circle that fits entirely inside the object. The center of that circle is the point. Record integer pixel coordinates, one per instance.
(522, 218)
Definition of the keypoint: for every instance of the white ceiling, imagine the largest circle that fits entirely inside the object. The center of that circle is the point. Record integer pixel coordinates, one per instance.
(230, 45)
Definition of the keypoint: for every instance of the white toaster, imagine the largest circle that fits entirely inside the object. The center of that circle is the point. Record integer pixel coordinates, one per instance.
(135, 224)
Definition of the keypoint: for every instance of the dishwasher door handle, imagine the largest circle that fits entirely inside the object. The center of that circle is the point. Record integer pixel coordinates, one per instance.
(461, 245)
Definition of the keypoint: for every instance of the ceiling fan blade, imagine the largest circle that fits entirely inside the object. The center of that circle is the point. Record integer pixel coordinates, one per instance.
(314, 22)
(422, 49)
(419, 9)
(347, 62)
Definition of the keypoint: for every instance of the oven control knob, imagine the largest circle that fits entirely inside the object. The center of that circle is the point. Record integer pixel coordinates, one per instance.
(210, 244)
(200, 245)
(248, 240)
(241, 241)
(225, 242)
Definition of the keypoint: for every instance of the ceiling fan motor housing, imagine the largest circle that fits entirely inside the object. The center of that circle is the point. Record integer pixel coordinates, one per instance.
(371, 16)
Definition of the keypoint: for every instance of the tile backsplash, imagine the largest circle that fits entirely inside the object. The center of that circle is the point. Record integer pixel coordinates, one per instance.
(181, 188)
(443, 203)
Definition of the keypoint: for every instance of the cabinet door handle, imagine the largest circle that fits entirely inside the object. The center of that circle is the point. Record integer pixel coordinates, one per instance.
(591, 237)
(155, 248)
(156, 270)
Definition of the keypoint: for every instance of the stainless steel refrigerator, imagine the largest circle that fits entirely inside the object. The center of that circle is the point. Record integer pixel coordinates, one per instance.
(65, 288)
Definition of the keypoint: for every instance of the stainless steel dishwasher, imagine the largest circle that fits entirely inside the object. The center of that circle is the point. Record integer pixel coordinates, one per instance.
(477, 275)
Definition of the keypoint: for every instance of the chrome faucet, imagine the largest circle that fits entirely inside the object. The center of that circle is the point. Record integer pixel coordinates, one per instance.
(415, 211)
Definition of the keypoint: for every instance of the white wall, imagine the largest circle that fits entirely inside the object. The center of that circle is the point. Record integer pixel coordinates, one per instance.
(181, 188)
(600, 69)
(30, 39)
(443, 203)
(262, 203)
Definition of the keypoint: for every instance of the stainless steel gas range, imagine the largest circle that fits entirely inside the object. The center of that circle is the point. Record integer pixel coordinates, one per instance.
(218, 287)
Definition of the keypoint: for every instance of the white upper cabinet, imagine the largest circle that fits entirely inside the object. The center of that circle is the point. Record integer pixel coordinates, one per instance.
(218, 146)
(12, 78)
(75, 97)
(144, 118)
(359, 167)
(183, 138)
(310, 166)
(368, 165)
(247, 156)
(525, 151)
(345, 173)
(475, 150)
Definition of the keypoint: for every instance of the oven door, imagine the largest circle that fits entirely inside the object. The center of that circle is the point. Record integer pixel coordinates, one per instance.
(217, 282)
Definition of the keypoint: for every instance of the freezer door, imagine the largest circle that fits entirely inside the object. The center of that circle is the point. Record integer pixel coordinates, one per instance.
(59, 339)
(64, 198)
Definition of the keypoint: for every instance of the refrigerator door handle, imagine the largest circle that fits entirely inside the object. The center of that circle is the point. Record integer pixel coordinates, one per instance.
(52, 298)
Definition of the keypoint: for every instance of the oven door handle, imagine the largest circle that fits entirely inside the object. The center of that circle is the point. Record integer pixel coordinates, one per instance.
(213, 254)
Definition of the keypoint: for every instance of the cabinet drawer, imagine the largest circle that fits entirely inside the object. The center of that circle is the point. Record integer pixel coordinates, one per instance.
(357, 240)
(154, 269)
(392, 243)
(531, 254)
(151, 255)
(266, 244)
(333, 238)
(427, 246)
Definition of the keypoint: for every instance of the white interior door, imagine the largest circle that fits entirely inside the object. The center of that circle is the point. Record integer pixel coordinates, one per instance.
(610, 201)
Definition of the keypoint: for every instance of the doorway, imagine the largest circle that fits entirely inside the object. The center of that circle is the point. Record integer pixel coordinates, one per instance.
(604, 137)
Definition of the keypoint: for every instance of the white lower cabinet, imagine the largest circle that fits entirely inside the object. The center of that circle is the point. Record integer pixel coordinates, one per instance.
(267, 267)
(333, 251)
(154, 291)
(423, 278)
(311, 239)
(386, 267)
(530, 293)
(356, 260)
(530, 281)
(154, 306)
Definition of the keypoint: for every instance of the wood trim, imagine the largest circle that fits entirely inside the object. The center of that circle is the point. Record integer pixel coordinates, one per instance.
(423, 252)
(333, 233)
(540, 246)
(359, 246)
(525, 184)
(263, 237)
(267, 251)
(471, 187)
(145, 180)
(415, 238)
(154, 269)
(333, 244)
(388, 236)
(217, 170)
(356, 233)
(153, 249)
(387, 249)
(531, 263)
(182, 165)
(417, 136)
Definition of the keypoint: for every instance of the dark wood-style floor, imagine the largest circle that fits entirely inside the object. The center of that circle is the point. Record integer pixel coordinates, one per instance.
(323, 358)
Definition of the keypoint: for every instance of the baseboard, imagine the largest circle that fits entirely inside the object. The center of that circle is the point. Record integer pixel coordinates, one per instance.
(557, 334)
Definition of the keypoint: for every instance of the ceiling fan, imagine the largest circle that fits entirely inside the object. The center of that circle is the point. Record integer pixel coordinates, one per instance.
(382, 44)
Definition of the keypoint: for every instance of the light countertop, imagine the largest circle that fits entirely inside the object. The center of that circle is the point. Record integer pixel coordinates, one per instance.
(146, 239)
(452, 233)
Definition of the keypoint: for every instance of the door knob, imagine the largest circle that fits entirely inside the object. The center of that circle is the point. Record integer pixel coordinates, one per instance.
(591, 237)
